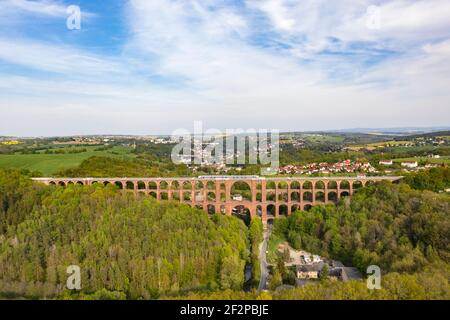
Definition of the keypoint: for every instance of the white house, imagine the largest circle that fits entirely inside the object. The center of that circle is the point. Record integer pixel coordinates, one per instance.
(385, 162)
(308, 272)
(409, 164)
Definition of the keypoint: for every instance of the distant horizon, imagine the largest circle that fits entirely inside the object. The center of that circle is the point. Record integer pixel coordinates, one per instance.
(385, 130)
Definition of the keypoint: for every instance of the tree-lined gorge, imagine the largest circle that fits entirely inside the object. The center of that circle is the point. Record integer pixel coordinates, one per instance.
(134, 247)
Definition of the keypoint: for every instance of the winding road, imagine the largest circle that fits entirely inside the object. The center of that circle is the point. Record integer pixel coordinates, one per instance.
(263, 259)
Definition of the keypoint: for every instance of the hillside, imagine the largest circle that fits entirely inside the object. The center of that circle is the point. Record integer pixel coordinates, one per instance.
(139, 248)
(126, 247)
(392, 226)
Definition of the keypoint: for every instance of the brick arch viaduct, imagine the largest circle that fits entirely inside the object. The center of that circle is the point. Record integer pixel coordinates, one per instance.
(262, 196)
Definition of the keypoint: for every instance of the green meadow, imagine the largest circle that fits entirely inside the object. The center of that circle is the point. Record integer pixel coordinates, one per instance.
(441, 160)
(49, 164)
(320, 138)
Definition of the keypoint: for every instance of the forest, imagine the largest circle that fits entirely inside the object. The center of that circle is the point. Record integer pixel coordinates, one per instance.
(132, 247)
(392, 226)
(402, 228)
(126, 246)
(431, 284)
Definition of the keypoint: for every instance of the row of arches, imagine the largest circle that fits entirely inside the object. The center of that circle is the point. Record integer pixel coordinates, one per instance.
(331, 196)
(240, 191)
(144, 185)
(319, 184)
(212, 185)
(264, 212)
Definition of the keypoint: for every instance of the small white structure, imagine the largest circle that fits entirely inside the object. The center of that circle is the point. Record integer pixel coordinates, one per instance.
(385, 162)
(307, 258)
(237, 197)
(409, 164)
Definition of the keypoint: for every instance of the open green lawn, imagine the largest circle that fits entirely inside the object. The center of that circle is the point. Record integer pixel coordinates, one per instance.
(49, 164)
(444, 159)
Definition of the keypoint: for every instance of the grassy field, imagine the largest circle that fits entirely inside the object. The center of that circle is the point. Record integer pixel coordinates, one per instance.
(319, 138)
(445, 159)
(375, 145)
(49, 164)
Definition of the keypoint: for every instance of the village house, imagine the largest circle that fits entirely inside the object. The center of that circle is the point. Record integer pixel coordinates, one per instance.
(386, 162)
(409, 164)
(337, 274)
(308, 271)
(346, 166)
(432, 165)
(311, 272)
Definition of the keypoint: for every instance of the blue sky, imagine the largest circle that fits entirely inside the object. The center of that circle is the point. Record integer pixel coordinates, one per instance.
(150, 67)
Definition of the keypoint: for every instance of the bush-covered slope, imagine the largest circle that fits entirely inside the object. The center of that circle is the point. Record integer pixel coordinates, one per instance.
(135, 247)
(389, 225)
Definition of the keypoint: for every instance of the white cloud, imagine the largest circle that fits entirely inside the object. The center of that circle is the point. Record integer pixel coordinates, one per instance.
(402, 22)
(277, 12)
(63, 59)
(49, 8)
(38, 7)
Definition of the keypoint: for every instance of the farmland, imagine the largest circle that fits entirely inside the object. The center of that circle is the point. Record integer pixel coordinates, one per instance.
(441, 160)
(322, 138)
(49, 164)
